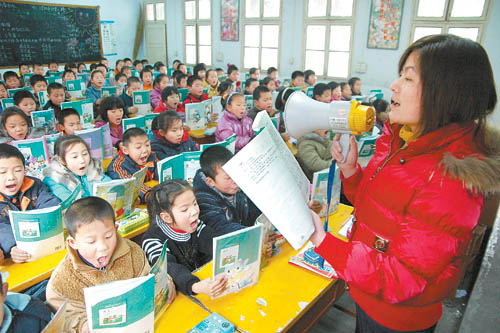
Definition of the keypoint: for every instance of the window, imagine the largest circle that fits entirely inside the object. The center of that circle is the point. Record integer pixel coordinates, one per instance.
(464, 18)
(198, 31)
(155, 11)
(329, 32)
(261, 33)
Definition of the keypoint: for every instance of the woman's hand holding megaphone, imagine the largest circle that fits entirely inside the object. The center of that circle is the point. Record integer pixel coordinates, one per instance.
(349, 166)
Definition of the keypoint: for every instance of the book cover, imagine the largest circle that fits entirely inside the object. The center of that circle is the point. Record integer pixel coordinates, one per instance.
(217, 108)
(108, 91)
(139, 177)
(196, 114)
(75, 88)
(161, 281)
(38, 231)
(84, 77)
(72, 197)
(43, 97)
(171, 167)
(249, 102)
(184, 93)
(237, 255)
(319, 190)
(229, 143)
(142, 100)
(27, 77)
(191, 164)
(94, 139)
(137, 121)
(85, 109)
(7, 102)
(56, 324)
(309, 92)
(44, 119)
(51, 139)
(366, 149)
(270, 239)
(308, 259)
(148, 119)
(121, 306)
(35, 154)
(135, 220)
(12, 92)
(107, 143)
(52, 79)
(119, 193)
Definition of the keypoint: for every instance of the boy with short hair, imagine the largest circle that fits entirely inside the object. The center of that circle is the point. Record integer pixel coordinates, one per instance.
(298, 79)
(38, 69)
(19, 193)
(56, 96)
(223, 206)
(69, 121)
(147, 79)
(180, 80)
(262, 100)
(133, 84)
(53, 68)
(195, 87)
(135, 154)
(11, 80)
(310, 78)
(322, 93)
(37, 84)
(272, 72)
(96, 255)
(25, 100)
(23, 69)
(250, 85)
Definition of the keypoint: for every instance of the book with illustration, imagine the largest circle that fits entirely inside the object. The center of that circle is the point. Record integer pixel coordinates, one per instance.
(229, 143)
(43, 97)
(44, 119)
(7, 102)
(319, 190)
(85, 109)
(149, 123)
(142, 101)
(107, 143)
(108, 91)
(12, 92)
(35, 154)
(161, 281)
(94, 139)
(308, 259)
(75, 88)
(366, 149)
(217, 108)
(249, 102)
(198, 114)
(181, 166)
(309, 92)
(51, 139)
(121, 306)
(39, 232)
(54, 78)
(137, 121)
(237, 256)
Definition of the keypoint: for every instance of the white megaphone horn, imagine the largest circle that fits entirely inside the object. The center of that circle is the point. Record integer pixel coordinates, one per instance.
(304, 115)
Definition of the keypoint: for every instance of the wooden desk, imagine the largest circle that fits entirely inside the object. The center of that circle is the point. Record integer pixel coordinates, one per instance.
(295, 297)
(180, 316)
(200, 137)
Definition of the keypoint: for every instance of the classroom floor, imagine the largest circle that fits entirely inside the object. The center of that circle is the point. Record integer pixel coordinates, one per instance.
(335, 320)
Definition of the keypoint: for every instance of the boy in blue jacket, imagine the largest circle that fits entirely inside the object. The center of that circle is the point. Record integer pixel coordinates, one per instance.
(18, 192)
(134, 155)
(223, 206)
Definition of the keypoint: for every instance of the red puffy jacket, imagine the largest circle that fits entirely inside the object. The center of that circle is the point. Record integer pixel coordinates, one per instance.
(424, 200)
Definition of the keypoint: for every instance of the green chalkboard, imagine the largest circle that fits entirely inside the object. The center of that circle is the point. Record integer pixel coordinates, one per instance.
(39, 32)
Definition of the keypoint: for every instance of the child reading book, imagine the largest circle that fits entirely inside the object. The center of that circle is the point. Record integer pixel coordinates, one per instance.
(322, 92)
(313, 152)
(250, 85)
(96, 83)
(96, 255)
(56, 97)
(195, 87)
(133, 84)
(213, 82)
(262, 100)
(111, 110)
(147, 79)
(170, 102)
(71, 167)
(25, 100)
(173, 214)
(3, 94)
(160, 83)
(11, 80)
(169, 136)
(180, 80)
(69, 121)
(15, 126)
(134, 155)
(298, 80)
(235, 121)
(37, 84)
(19, 193)
(223, 206)
(38, 69)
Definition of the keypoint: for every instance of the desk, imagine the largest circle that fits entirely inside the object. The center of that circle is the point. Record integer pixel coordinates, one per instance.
(180, 316)
(295, 297)
(200, 137)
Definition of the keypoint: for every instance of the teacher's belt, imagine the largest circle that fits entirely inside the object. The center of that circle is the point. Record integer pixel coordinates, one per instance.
(370, 238)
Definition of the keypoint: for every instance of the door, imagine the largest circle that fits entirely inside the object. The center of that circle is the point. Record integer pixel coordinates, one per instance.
(155, 31)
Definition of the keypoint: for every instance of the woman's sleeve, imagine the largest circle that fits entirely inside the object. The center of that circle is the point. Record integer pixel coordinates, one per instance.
(423, 258)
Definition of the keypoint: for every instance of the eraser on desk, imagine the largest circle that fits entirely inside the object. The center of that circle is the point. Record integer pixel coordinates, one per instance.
(213, 323)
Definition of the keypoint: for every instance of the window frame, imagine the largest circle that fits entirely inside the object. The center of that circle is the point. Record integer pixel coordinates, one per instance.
(329, 21)
(197, 22)
(260, 21)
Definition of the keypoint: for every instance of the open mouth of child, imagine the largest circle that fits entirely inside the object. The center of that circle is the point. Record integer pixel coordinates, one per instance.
(102, 261)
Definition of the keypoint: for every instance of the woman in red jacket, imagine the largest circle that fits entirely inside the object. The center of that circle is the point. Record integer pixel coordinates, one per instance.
(421, 195)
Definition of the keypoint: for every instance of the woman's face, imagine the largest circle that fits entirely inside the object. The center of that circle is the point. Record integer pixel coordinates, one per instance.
(406, 108)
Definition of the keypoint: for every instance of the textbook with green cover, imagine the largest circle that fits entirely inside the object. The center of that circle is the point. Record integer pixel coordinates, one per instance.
(94, 139)
(125, 306)
(309, 92)
(182, 166)
(27, 77)
(85, 109)
(43, 98)
(198, 114)
(44, 119)
(237, 255)
(35, 154)
(319, 190)
(141, 99)
(108, 91)
(38, 231)
(184, 93)
(366, 149)
(7, 102)
(75, 88)
(51, 139)
(137, 121)
(249, 102)
(229, 143)
(161, 281)
(149, 123)
(12, 92)
(52, 79)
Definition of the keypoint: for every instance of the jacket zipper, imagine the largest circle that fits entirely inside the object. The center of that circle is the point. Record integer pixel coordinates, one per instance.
(389, 156)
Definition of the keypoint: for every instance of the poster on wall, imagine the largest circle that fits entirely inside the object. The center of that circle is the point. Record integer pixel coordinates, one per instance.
(230, 26)
(108, 38)
(385, 24)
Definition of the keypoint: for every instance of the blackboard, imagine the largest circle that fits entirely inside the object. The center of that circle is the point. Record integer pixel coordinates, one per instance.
(39, 33)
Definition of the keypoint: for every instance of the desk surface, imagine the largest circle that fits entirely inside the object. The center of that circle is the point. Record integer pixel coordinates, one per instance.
(180, 316)
(288, 290)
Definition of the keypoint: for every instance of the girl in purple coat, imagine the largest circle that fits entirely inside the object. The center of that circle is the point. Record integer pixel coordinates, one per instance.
(235, 121)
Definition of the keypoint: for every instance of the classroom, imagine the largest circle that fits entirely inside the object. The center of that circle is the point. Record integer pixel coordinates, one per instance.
(142, 189)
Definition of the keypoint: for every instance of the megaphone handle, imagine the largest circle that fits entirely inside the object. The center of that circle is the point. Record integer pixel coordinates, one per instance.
(345, 144)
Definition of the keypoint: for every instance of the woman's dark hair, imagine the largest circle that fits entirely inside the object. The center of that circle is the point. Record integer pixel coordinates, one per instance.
(457, 81)
(162, 197)
(63, 143)
(282, 97)
(158, 79)
(380, 105)
(165, 120)
(12, 111)
(333, 85)
(110, 103)
(168, 91)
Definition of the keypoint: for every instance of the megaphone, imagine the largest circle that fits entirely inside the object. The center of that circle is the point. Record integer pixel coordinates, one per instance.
(304, 114)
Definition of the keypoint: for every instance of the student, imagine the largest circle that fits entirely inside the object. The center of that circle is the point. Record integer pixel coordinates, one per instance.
(71, 67)
(170, 137)
(38, 69)
(298, 80)
(133, 85)
(15, 126)
(250, 85)
(170, 102)
(182, 67)
(346, 91)
(23, 69)
(37, 84)
(135, 154)
(138, 65)
(120, 80)
(68, 75)
(160, 83)
(355, 84)
(212, 81)
(223, 206)
(96, 255)
(269, 83)
(195, 87)
(147, 79)
(272, 72)
(111, 111)
(22, 313)
(382, 109)
(25, 100)
(233, 74)
(220, 72)
(56, 97)
(254, 73)
(3, 94)
(225, 88)
(200, 70)
(81, 67)
(313, 152)
(235, 121)
(53, 68)
(174, 219)
(336, 91)
(94, 91)
(69, 121)
(18, 193)
(322, 93)
(262, 100)
(310, 78)
(127, 71)
(175, 64)
(103, 68)
(11, 80)
(118, 66)
(162, 69)
(145, 62)
(180, 80)
(127, 62)
(72, 166)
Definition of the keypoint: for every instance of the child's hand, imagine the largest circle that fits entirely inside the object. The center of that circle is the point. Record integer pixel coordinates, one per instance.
(210, 287)
(171, 290)
(319, 233)
(315, 206)
(19, 255)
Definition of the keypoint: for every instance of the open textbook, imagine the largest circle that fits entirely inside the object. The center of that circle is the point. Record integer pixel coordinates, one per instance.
(182, 166)
(229, 143)
(39, 231)
(44, 119)
(121, 306)
(320, 187)
(198, 115)
(99, 141)
(75, 88)
(271, 177)
(237, 255)
(142, 101)
(85, 109)
(36, 155)
(161, 281)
